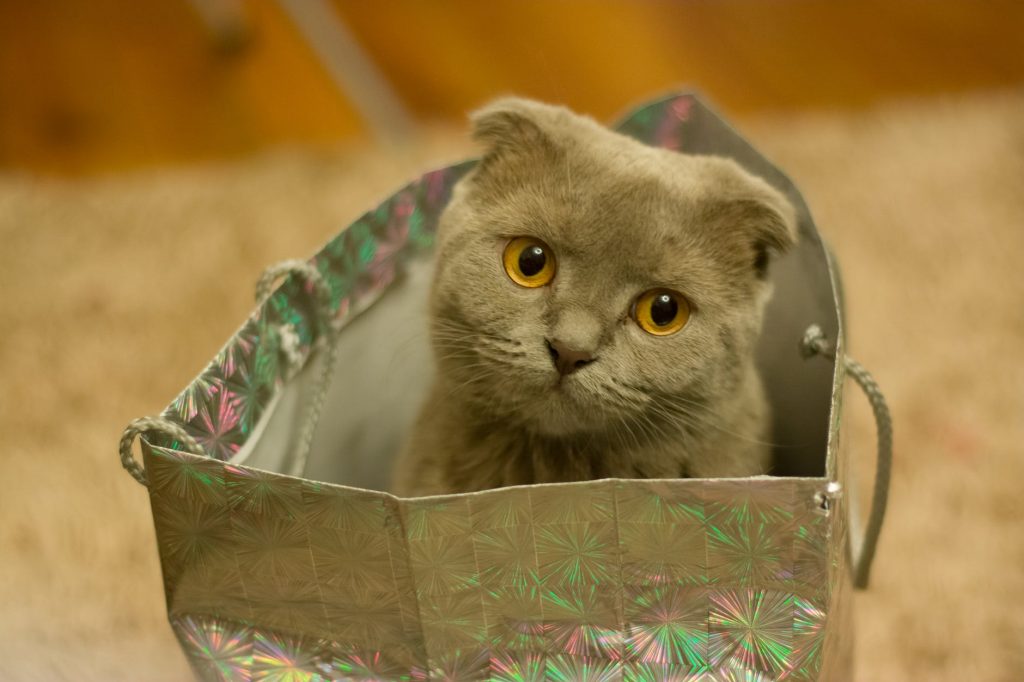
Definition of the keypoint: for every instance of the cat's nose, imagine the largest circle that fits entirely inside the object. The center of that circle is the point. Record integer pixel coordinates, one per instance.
(567, 360)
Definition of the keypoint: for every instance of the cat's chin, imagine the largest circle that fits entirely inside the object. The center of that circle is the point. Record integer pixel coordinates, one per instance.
(564, 412)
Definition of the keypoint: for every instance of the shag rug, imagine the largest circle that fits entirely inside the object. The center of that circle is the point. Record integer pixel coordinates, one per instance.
(114, 292)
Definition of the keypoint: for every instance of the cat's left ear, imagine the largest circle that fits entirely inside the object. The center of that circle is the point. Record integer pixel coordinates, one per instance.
(762, 214)
(772, 222)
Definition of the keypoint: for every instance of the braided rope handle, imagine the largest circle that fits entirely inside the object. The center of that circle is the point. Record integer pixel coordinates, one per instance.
(815, 343)
(151, 425)
(264, 288)
(322, 295)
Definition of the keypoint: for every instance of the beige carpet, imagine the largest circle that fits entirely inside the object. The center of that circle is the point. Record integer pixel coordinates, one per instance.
(114, 292)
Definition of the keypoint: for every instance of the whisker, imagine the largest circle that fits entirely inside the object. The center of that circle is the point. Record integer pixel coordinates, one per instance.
(707, 420)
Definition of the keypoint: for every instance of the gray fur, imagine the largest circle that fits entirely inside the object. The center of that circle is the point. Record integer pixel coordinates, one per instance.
(621, 218)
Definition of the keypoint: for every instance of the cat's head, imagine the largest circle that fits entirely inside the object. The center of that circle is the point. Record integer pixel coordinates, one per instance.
(585, 278)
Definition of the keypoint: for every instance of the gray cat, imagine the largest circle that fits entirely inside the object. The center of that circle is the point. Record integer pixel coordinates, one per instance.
(594, 312)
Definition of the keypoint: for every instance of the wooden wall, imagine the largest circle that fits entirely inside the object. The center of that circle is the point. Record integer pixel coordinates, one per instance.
(97, 85)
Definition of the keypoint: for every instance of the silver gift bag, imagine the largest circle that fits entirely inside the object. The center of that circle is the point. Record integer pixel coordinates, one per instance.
(284, 558)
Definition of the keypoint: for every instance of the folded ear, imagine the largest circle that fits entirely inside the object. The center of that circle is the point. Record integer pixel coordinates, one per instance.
(773, 225)
(513, 124)
(749, 205)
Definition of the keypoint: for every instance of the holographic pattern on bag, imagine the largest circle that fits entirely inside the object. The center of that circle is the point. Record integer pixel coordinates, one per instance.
(637, 579)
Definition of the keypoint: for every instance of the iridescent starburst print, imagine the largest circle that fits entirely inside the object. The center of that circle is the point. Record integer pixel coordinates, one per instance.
(500, 509)
(418, 221)
(365, 620)
(808, 639)
(219, 593)
(453, 621)
(392, 240)
(435, 518)
(733, 671)
(661, 502)
(583, 621)
(748, 554)
(277, 547)
(363, 259)
(810, 554)
(663, 553)
(278, 658)
(219, 650)
(290, 306)
(368, 666)
(515, 666)
(338, 262)
(752, 629)
(263, 493)
(443, 564)
(748, 501)
(237, 369)
(238, 352)
(361, 238)
(183, 475)
(667, 625)
(215, 425)
(574, 503)
(186, 406)
(506, 555)
(457, 665)
(835, 660)
(649, 633)
(194, 536)
(661, 124)
(577, 553)
(287, 605)
(582, 669)
(663, 672)
(357, 562)
(514, 617)
(265, 365)
(344, 508)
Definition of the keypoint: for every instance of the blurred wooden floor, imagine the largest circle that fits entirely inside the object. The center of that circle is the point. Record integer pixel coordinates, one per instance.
(97, 85)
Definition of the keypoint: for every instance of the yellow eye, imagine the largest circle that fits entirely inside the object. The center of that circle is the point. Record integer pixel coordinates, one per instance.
(661, 312)
(529, 262)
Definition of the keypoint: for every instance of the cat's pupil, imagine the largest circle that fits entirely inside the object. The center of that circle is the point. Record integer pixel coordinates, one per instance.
(532, 260)
(663, 310)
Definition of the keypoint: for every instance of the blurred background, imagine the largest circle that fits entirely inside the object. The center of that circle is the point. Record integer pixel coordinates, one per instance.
(155, 156)
(110, 85)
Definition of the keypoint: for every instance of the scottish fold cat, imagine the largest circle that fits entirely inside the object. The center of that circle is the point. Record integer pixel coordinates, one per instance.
(594, 311)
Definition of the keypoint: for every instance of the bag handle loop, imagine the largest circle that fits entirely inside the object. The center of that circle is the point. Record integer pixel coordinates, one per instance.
(815, 343)
(148, 425)
(264, 288)
(322, 294)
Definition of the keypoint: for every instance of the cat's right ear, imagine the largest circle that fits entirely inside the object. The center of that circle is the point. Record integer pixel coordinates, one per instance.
(511, 125)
